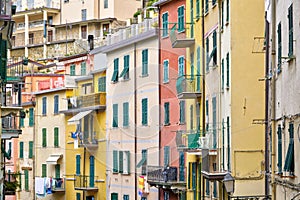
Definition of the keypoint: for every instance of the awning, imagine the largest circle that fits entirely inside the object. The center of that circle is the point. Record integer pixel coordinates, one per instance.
(75, 119)
(52, 159)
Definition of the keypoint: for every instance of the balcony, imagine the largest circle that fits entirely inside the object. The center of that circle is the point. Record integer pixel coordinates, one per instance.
(10, 183)
(89, 140)
(180, 38)
(10, 126)
(194, 141)
(15, 70)
(87, 102)
(167, 177)
(189, 87)
(86, 183)
(59, 185)
(55, 4)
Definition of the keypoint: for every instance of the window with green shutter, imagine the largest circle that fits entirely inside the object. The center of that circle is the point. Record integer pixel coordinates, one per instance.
(125, 197)
(182, 112)
(77, 164)
(198, 116)
(72, 70)
(192, 18)
(222, 74)
(56, 137)
(56, 104)
(214, 51)
(198, 69)
(30, 155)
(21, 153)
(57, 171)
(291, 37)
(114, 196)
(197, 9)
(44, 170)
(115, 76)
(44, 105)
(145, 62)
(289, 163)
(92, 171)
(194, 179)
(166, 71)
(191, 117)
(180, 16)
(21, 122)
(227, 70)
(44, 137)
(105, 3)
(31, 117)
(227, 11)
(181, 166)
(102, 84)
(180, 66)
(26, 180)
(167, 113)
(189, 175)
(125, 114)
(125, 72)
(207, 54)
(166, 156)
(192, 65)
(279, 149)
(222, 14)
(207, 187)
(206, 6)
(115, 161)
(83, 68)
(215, 192)
(165, 19)
(206, 115)
(78, 196)
(228, 144)
(279, 48)
(214, 121)
(145, 111)
(121, 159)
(115, 115)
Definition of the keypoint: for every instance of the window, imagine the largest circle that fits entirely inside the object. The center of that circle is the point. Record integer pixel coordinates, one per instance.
(206, 115)
(145, 62)
(227, 70)
(50, 36)
(83, 68)
(78, 196)
(86, 88)
(44, 137)
(192, 65)
(21, 122)
(198, 116)
(166, 196)
(222, 74)
(214, 51)
(30, 155)
(180, 13)
(31, 117)
(192, 18)
(72, 70)
(207, 188)
(120, 161)
(115, 115)
(182, 112)
(191, 117)
(181, 166)
(44, 170)
(115, 161)
(207, 54)
(289, 164)
(105, 3)
(77, 164)
(206, 6)
(56, 137)
(31, 38)
(83, 32)
(167, 113)
(114, 196)
(222, 14)
(197, 9)
(214, 121)
(44, 108)
(214, 2)
(227, 11)
(57, 171)
(83, 14)
(228, 144)
(166, 156)
(291, 39)
(279, 48)
(180, 66)
(116, 71)
(194, 178)
(198, 69)
(125, 114)
(26, 180)
(279, 149)
(92, 171)
(125, 72)
(165, 19)
(102, 84)
(125, 197)
(21, 153)
(126, 162)
(145, 111)
(166, 71)
(56, 98)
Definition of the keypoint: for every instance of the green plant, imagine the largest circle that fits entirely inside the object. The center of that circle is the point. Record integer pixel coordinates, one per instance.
(11, 186)
(137, 13)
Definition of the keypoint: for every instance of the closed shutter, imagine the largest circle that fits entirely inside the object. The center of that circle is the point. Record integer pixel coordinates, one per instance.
(145, 111)
(83, 68)
(222, 74)
(78, 196)
(192, 66)
(198, 69)
(180, 66)
(56, 98)
(44, 137)
(166, 71)
(115, 115)
(114, 196)
(21, 150)
(30, 155)
(279, 48)
(125, 114)
(197, 9)
(57, 171)
(115, 161)
(31, 117)
(191, 117)
(198, 116)
(102, 84)
(92, 171)
(26, 180)
(166, 156)
(180, 14)
(181, 166)
(121, 161)
(56, 137)
(44, 108)
(77, 164)
(145, 62)
(291, 37)
(167, 113)
(227, 11)
(44, 170)
(279, 147)
(182, 112)
(227, 70)
(214, 121)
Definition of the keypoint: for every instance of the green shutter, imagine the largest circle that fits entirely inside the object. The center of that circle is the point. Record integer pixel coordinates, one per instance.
(192, 65)
(128, 161)
(227, 11)
(214, 51)
(279, 48)
(115, 115)
(125, 114)
(228, 144)
(180, 14)
(26, 180)
(44, 137)
(125, 72)
(44, 107)
(116, 71)
(21, 150)
(115, 161)
(83, 68)
(31, 117)
(92, 171)
(291, 37)
(222, 74)
(77, 164)
(165, 24)
(145, 62)
(227, 70)
(207, 54)
(57, 171)
(214, 2)
(197, 9)
(189, 175)
(192, 19)
(102, 84)
(121, 159)
(206, 5)
(207, 188)
(166, 71)
(21, 122)
(191, 117)
(181, 166)
(114, 196)
(215, 192)
(56, 137)
(182, 112)
(214, 121)
(166, 156)
(194, 179)
(56, 98)
(145, 111)
(206, 115)
(167, 113)
(72, 70)
(289, 164)
(30, 155)
(222, 14)
(78, 196)
(125, 197)
(279, 147)
(44, 170)
(198, 116)
(180, 66)
(198, 69)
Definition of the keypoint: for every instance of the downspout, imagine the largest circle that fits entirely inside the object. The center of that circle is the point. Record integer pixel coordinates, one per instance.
(84, 155)
(203, 86)
(159, 90)
(135, 122)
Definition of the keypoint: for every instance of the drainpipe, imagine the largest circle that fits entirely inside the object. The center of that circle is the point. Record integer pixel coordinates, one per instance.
(203, 86)
(84, 155)
(135, 122)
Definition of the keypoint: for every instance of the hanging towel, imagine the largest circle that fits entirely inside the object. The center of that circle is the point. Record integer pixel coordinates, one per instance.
(39, 185)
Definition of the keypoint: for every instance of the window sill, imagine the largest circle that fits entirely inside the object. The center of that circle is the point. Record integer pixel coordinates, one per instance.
(166, 82)
(226, 23)
(114, 127)
(180, 31)
(126, 127)
(126, 174)
(206, 13)
(126, 80)
(213, 6)
(145, 125)
(182, 123)
(144, 75)
(167, 124)
(165, 36)
(114, 82)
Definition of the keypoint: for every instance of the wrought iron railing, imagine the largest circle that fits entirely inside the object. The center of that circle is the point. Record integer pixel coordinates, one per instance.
(87, 100)
(83, 181)
(193, 139)
(189, 84)
(162, 174)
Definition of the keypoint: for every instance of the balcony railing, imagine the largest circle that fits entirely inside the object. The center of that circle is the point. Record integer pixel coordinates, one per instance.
(59, 185)
(161, 174)
(15, 70)
(10, 127)
(189, 86)
(83, 182)
(193, 140)
(38, 4)
(90, 100)
(182, 37)
(90, 140)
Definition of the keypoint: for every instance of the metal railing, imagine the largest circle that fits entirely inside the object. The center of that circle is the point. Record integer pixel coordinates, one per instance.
(87, 100)
(183, 34)
(189, 84)
(38, 4)
(193, 139)
(83, 181)
(59, 184)
(161, 174)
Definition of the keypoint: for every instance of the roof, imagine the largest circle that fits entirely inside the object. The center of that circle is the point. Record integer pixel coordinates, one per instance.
(99, 70)
(161, 2)
(51, 90)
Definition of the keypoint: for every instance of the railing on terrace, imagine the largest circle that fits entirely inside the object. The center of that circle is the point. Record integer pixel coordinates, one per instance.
(97, 99)
(83, 182)
(131, 31)
(90, 140)
(161, 174)
(193, 139)
(189, 86)
(38, 4)
(182, 36)
(59, 185)
(15, 69)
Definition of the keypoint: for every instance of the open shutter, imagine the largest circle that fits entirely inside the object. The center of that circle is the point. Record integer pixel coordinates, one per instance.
(77, 164)
(44, 170)
(115, 161)
(56, 137)
(115, 115)
(26, 180)
(181, 166)
(57, 171)
(121, 162)
(166, 156)
(92, 171)
(30, 155)
(279, 147)
(21, 150)
(31, 117)
(44, 142)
